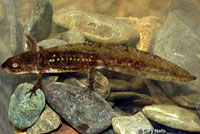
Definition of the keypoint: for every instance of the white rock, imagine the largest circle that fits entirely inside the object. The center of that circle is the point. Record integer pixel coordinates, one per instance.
(131, 124)
(173, 116)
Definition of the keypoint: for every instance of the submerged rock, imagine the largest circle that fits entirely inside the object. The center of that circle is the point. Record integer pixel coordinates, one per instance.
(65, 129)
(100, 84)
(86, 111)
(72, 36)
(178, 42)
(48, 43)
(97, 27)
(137, 83)
(11, 31)
(48, 80)
(25, 111)
(131, 124)
(40, 21)
(198, 108)
(47, 122)
(120, 112)
(119, 85)
(108, 131)
(173, 116)
(130, 97)
(157, 94)
(5, 94)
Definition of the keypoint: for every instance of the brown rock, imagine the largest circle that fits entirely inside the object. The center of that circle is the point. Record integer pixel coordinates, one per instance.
(119, 85)
(136, 98)
(197, 2)
(19, 131)
(97, 27)
(65, 129)
(157, 94)
(146, 27)
(137, 83)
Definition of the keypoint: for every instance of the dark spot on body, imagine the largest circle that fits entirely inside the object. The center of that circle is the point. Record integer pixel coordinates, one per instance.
(99, 45)
(119, 61)
(127, 50)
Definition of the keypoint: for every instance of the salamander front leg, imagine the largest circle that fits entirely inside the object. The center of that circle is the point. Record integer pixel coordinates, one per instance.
(91, 80)
(36, 86)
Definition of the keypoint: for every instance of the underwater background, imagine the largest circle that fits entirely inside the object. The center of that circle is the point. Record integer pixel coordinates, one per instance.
(121, 103)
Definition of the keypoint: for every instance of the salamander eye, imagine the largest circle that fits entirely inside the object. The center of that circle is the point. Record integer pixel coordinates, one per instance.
(15, 65)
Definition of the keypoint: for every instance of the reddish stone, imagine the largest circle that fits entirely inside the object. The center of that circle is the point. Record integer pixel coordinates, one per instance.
(65, 129)
(19, 131)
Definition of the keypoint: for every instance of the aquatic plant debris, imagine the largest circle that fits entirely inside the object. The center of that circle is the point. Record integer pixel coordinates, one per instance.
(90, 56)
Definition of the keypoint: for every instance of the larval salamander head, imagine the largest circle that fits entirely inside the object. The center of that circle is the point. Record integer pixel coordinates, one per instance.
(19, 64)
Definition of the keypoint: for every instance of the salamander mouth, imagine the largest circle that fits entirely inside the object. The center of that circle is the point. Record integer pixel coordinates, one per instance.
(6, 69)
(9, 71)
(22, 72)
(13, 72)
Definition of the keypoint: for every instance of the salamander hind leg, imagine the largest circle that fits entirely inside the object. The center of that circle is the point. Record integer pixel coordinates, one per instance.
(91, 80)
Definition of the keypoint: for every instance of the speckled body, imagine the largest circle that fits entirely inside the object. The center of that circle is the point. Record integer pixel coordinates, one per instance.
(72, 61)
(68, 61)
(90, 56)
(84, 56)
